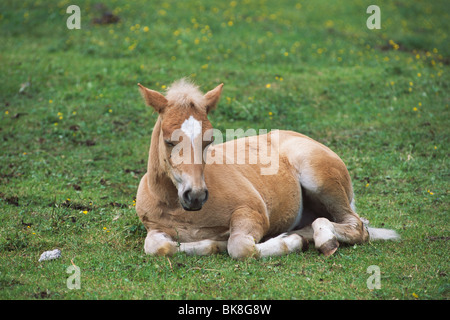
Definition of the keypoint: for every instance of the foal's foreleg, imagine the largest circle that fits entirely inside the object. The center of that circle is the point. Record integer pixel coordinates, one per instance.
(203, 247)
(242, 246)
(248, 227)
(158, 243)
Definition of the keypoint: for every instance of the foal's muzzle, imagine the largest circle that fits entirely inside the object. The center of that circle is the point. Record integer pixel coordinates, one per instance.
(193, 200)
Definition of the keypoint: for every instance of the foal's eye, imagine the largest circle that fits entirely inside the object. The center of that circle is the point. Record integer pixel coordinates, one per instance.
(169, 143)
(209, 142)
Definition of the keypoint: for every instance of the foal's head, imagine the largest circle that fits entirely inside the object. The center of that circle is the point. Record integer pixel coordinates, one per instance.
(185, 134)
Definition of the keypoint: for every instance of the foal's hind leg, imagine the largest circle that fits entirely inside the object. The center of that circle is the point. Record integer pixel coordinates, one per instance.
(330, 194)
(347, 227)
(327, 235)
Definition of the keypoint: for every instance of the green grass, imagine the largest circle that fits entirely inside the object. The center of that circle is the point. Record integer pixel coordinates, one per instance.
(80, 131)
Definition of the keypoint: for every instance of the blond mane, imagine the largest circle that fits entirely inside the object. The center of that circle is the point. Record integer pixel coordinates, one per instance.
(184, 93)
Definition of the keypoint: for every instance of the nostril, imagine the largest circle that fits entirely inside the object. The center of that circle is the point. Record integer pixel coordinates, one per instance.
(187, 196)
(206, 195)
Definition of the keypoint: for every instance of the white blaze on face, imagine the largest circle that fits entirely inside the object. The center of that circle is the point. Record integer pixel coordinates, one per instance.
(192, 128)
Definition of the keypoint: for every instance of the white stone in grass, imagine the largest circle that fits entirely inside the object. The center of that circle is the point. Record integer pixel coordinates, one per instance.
(50, 255)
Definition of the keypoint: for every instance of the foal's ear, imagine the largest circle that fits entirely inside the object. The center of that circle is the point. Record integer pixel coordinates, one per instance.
(153, 98)
(212, 97)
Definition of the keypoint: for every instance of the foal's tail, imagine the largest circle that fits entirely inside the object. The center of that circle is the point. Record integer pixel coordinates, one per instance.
(379, 233)
(382, 234)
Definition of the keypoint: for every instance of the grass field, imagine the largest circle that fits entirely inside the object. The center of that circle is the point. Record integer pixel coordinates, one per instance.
(74, 138)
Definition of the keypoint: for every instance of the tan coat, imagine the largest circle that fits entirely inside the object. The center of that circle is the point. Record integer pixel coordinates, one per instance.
(307, 195)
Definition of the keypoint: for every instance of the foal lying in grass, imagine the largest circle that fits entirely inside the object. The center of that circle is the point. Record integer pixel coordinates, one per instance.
(201, 198)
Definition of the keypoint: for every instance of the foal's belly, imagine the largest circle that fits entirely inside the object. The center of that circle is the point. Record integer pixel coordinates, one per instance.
(244, 184)
(284, 201)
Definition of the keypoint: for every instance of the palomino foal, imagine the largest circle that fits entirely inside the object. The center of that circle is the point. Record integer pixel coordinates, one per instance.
(188, 203)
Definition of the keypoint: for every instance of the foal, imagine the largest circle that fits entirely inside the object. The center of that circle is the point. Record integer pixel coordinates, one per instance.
(196, 198)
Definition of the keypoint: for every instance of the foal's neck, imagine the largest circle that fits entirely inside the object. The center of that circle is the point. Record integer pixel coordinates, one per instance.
(159, 182)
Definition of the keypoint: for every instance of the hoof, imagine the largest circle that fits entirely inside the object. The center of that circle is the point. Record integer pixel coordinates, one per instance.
(329, 247)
